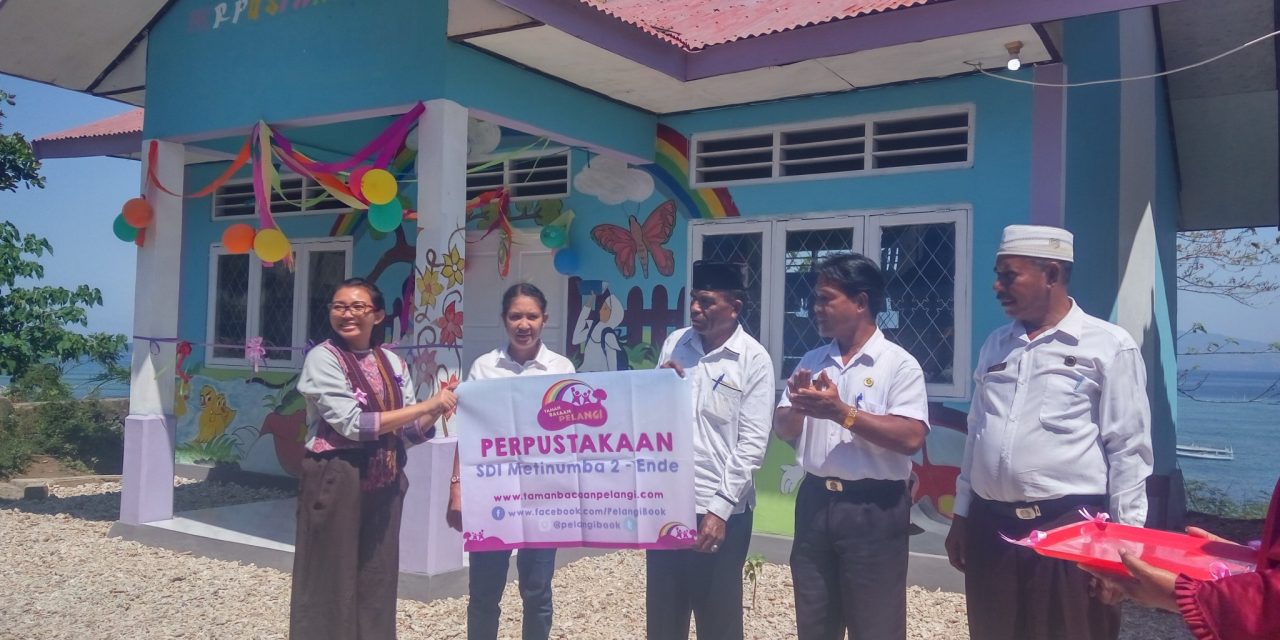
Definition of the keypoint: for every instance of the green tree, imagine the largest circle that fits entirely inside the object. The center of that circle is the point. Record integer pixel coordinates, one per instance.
(36, 322)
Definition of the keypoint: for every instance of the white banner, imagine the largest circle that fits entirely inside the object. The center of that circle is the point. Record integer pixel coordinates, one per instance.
(580, 460)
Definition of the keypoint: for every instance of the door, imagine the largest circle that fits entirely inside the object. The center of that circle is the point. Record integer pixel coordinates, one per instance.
(531, 262)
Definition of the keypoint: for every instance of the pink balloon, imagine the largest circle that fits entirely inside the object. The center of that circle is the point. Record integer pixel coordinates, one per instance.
(353, 181)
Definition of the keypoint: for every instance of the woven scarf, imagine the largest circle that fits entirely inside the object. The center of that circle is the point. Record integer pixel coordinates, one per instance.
(381, 468)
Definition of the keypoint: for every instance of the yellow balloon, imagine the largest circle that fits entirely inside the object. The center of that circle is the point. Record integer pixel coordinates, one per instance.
(378, 186)
(271, 245)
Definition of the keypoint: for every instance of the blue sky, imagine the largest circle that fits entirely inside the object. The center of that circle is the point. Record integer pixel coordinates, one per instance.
(83, 196)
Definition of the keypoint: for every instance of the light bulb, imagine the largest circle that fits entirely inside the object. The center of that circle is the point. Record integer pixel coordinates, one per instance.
(1015, 49)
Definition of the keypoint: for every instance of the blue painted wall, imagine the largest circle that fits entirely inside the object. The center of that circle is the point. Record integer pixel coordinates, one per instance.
(1093, 158)
(1163, 383)
(997, 185)
(338, 56)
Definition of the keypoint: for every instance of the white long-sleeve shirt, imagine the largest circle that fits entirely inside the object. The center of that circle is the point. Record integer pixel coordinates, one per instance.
(733, 411)
(1063, 414)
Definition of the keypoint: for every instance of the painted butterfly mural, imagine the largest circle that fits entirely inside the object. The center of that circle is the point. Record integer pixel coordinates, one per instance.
(641, 241)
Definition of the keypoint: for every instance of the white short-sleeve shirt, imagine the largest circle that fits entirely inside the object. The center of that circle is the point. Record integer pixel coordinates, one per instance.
(881, 379)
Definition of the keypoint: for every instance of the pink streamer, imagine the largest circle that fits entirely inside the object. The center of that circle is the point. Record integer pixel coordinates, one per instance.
(1032, 539)
(385, 145)
(1219, 570)
(1099, 518)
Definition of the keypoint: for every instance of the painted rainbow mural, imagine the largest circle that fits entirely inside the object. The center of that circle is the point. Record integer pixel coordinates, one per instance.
(671, 170)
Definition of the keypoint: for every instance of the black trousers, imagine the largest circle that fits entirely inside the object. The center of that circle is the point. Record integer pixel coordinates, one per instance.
(849, 560)
(1014, 593)
(346, 561)
(708, 585)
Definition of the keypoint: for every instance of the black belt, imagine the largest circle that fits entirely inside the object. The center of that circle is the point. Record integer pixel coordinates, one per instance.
(864, 489)
(1051, 508)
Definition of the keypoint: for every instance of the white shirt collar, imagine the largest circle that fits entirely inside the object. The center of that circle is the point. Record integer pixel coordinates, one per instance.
(539, 360)
(872, 349)
(1071, 324)
(733, 345)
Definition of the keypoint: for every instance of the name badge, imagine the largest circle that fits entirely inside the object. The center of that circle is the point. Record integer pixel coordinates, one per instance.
(997, 367)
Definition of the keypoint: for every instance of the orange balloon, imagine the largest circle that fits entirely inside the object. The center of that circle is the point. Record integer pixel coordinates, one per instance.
(138, 213)
(238, 238)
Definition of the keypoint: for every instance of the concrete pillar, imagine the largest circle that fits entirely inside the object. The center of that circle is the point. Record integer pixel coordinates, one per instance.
(1049, 144)
(427, 544)
(149, 431)
(1142, 305)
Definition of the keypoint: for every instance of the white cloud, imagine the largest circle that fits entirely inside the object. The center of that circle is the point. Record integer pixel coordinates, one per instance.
(482, 137)
(613, 182)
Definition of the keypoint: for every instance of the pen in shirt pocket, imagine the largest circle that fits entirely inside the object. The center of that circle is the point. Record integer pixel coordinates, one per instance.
(857, 402)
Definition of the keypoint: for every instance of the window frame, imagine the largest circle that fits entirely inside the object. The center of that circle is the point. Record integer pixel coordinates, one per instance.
(302, 247)
(961, 216)
(870, 120)
(538, 153)
(284, 175)
(866, 226)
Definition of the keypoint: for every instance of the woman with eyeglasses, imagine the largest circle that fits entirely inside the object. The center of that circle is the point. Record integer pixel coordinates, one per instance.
(361, 414)
(524, 314)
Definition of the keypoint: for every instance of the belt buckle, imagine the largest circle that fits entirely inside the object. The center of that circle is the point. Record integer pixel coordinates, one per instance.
(834, 484)
(1027, 513)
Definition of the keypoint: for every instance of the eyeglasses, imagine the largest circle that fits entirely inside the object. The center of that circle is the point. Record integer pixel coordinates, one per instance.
(357, 309)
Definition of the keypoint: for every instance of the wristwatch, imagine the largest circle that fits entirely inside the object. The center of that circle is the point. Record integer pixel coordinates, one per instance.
(850, 418)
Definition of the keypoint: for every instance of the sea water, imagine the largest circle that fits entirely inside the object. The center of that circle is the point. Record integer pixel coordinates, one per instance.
(1225, 410)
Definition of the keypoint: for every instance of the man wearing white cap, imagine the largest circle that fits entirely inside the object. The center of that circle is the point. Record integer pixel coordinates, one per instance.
(1059, 422)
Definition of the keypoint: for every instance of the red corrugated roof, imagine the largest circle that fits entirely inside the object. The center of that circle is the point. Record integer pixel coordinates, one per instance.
(127, 122)
(696, 24)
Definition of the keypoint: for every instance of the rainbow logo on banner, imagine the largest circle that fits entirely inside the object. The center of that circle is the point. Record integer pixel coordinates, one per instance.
(671, 170)
(570, 402)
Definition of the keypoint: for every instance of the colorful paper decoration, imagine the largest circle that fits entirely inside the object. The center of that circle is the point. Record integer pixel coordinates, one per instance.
(271, 245)
(254, 352)
(238, 238)
(138, 213)
(123, 229)
(567, 262)
(386, 217)
(378, 186)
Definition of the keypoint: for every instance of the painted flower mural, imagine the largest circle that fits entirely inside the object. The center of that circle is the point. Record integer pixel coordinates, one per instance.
(429, 287)
(450, 323)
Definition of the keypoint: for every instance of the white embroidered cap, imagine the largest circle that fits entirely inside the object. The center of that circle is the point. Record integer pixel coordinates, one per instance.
(1037, 241)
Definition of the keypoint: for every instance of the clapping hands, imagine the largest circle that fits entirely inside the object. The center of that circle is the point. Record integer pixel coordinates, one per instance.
(815, 397)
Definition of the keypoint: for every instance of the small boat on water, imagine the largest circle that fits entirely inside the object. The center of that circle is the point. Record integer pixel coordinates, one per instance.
(1205, 452)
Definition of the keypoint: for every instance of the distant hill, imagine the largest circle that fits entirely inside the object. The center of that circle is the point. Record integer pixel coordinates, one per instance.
(1228, 355)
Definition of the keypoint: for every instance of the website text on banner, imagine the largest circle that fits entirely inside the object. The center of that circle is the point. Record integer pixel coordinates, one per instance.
(579, 460)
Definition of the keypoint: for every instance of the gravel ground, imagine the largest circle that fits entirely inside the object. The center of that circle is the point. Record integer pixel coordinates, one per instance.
(62, 577)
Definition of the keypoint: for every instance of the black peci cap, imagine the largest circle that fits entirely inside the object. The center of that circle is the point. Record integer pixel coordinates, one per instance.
(719, 276)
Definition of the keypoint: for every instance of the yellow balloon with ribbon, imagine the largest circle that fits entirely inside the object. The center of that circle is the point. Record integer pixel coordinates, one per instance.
(271, 245)
(378, 186)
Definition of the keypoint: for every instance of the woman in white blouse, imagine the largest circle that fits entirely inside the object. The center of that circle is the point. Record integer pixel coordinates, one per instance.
(524, 314)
